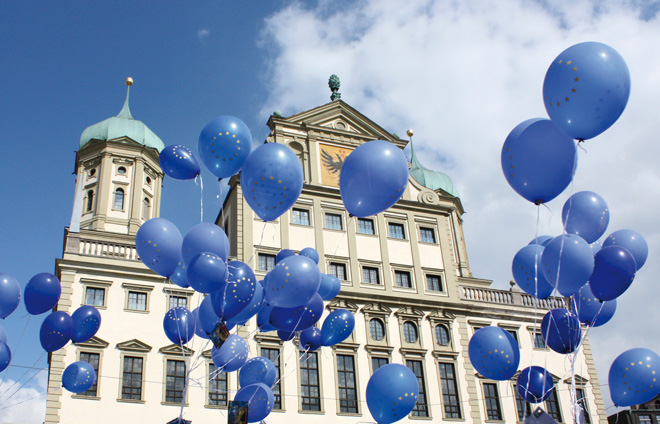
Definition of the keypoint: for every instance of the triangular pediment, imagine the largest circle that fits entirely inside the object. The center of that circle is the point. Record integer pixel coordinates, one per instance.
(176, 350)
(579, 380)
(441, 315)
(408, 311)
(134, 345)
(376, 308)
(94, 343)
(342, 304)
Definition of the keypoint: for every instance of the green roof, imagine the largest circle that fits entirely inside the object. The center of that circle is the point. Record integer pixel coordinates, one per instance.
(122, 125)
(433, 180)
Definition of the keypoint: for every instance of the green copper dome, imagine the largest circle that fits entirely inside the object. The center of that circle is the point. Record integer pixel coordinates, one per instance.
(433, 180)
(122, 125)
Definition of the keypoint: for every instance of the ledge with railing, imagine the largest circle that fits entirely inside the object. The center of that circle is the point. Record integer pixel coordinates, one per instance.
(508, 297)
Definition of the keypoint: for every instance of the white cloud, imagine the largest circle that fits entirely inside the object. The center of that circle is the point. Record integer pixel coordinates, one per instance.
(203, 33)
(463, 74)
(28, 404)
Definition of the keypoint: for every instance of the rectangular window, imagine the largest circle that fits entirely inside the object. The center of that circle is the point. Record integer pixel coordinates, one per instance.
(421, 407)
(333, 221)
(175, 381)
(514, 334)
(524, 407)
(426, 235)
(137, 301)
(396, 231)
(377, 362)
(366, 226)
(539, 343)
(582, 401)
(300, 216)
(645, 419)
(274, 355)
(93, 360)
(309, 382)
(217, 386)
(131, 381)
(434, 283)
(346, 384)
(338, 270)
(492, 398)
(94, 296)
(402, 279)
(370, 275)
(181, 301)
(552, 406)
(450, 399)
(266, 262)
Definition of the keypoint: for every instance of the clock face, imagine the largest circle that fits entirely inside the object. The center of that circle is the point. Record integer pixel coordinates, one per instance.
(332, 159)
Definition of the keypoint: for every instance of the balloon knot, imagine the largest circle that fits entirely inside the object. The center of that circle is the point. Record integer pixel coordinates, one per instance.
(538, 202)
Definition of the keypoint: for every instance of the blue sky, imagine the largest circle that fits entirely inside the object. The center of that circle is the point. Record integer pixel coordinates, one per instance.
(461, 74)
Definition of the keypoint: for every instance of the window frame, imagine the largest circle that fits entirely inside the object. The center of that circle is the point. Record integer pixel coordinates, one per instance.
(382, 328)
(333, 216)
(209, 380)
(137, 288)
(401, 225)
(341, 265)
(306, 211)
(123, 357)
(116, 198)
(583, 402)
(97, 384)
(278, 383)
(415, 327)
(146, 208)
(378, 358)
(339, 388)
(433, 236)
(267, 257)
(441, 283)
(184, 395)
(319, 384)
(103, 285)
(554, 399)
(90, 197)
(528, 408)
(423, 392)
(492, 401)
(371, 268)
(456, 388)
(399, 274)
(448, 332)
(361, 220)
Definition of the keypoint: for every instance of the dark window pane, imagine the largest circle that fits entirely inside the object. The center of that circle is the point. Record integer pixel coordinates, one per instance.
(119, 199)
(450, 399)
(370, 275)
(300, 216)
(552, 406)
(333, 221)
(539, 343)
(175, 381)
(524, 407)
(396, 231)
(217, 386)
(410, 332)
(442, 335)
(492, 402)
(95, 296)
(366, 226)
(338, 270)
(274, 355)
(93, 360)
(377, 329)
(421, 407)
(309, 387)
(434, 283)
(377, 362)
(402, 279)
(427, 235)
(346, 384)
(582, 401)
(176, 301)
(137, 301)
(266, 262)
(131, 387)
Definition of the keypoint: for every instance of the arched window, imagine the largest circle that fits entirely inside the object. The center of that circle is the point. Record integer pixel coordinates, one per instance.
(90, 201)
(377, 329)
(442, 335)
(410, 332)
(119, 199)
(146, 206)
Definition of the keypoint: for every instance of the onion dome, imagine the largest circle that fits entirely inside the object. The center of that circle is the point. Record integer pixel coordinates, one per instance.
(433, 180)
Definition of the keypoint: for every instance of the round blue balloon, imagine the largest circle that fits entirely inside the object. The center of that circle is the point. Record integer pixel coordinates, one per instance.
(3, 334)
(237, 293)
(337, 327)
(56, 331)
(42, 293)
(205, 237)
(207, 272)
(207, 317)
(257, 370)
(528, 272)
(561, 331)
(284, 253)
(178, 162)
(260, 399)
(392, 393)
(586, 89)
(180, 275)
(179, 325)
(311, 253)
(310, 339)
(330, 287)
(158, 243)
(253, 307)
(614, 272)
(535, 384)
(538, 160)
(373, 178)
(596, 246)
(199, 330)
(224, 144)
(632, 377)
(494, 353)
(631, 240)
(285, 336)
(86, 322)
(10, 295)
(263, 318)
(272, 180)
(299, 317)
(232, 354)
(541, 240)
(586, 214)
(568, 262)
(78, 377)
(293, 282)
(592, 311)
(5, 356)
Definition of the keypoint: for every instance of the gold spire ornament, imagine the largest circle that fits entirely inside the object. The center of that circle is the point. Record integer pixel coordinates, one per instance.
(410, 132)
(129, 81)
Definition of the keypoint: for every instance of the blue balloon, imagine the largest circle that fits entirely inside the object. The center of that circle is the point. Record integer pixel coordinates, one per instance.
(541, 240)
(310, 339)
(158, 243)
(568, 263)
(596, 246)
(56, 331)
(311, 253)
(3, 334)
(272, 180)
(535, 384)
(237, 293)
(78, 377)
(392, 393)
(207, 317)
(561, 331)
(528, 272)
(257, 370)
(179, 325)
(42, 293)
(284, 253)
(299, 317)
(285, 336)
(5, 356)
(293, 282)
(232, 354)
(260, 399)
(613, 273)
(205, 237)
(538, 160)
(180, 275)
(224, 144)
(252, 308)
(263, 319)
(373, 178)
(206, 272)
(178, 162)
(631, 240)
(199, 330)
(86, 322)
(592, 311)
(586, 214)
(337, 327)
(10, 295)
(632, 377)
(494, 353)
(330, 287)
(586, 89)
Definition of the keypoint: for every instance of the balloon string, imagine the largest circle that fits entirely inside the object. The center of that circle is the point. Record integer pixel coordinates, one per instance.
(201, 198)
(26, 381)
(20, 339)
(263, 231)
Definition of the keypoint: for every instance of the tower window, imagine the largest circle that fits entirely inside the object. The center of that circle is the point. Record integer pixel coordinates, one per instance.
(146, 208)
(121, 170)
(90, 200)
(92, 172)
(149, 181)
(119, 199)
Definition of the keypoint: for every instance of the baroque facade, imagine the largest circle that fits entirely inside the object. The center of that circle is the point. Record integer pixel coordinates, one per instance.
(405, 275)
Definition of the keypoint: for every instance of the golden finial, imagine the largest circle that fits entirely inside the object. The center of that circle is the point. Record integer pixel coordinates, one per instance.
(129, 81)
(410, 132)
